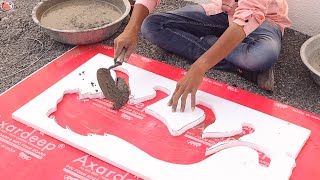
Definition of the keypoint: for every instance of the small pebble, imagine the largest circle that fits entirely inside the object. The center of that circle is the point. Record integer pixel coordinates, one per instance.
(5, 18)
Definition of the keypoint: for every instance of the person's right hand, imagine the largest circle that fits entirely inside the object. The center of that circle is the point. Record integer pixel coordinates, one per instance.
(127, 39)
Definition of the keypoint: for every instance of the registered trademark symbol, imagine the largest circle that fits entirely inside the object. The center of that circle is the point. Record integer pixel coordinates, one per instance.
(6, 6)
(61, 146)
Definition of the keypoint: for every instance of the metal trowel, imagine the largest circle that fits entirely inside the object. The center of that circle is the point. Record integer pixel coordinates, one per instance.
(116, 90)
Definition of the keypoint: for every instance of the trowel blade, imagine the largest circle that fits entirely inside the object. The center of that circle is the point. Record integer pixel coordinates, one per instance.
(115, 91)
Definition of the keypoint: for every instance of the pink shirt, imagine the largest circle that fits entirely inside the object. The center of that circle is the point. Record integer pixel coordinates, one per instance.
(247, 13)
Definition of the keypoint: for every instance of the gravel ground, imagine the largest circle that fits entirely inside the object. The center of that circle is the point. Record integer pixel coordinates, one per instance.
(22, 42)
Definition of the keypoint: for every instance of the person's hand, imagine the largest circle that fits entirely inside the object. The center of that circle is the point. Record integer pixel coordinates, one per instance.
(127, 39)
(188, 84)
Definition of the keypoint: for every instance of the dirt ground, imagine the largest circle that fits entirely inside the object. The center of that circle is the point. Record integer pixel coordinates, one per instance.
(22, 42)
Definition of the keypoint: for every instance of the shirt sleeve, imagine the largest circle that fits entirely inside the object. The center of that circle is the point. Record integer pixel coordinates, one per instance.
(250, 14)
(150, 4)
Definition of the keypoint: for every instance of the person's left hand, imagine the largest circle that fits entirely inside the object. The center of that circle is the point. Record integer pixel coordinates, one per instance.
(188, 84)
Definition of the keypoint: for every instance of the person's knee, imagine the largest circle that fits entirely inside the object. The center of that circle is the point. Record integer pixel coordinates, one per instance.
(151, 27)
(262, 59)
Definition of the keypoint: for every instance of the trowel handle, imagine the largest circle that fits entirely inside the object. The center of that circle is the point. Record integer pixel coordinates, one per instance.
(120, 58)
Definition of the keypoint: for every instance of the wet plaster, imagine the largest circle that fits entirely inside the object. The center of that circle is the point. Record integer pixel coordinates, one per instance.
(115, 91)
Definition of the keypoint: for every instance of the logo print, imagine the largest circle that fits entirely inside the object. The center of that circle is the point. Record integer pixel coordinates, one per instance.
(6, 6)
(24, 156)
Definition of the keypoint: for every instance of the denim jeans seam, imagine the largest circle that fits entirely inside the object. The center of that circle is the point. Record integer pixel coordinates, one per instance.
(201, 24)
(199, 45)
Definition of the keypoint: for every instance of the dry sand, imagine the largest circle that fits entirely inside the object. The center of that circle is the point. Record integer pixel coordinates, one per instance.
(80, 15)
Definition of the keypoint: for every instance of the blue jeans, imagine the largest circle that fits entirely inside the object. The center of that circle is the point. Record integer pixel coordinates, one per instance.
(189, 32)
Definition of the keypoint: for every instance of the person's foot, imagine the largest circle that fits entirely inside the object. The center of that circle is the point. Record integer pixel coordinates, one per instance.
(265, 79)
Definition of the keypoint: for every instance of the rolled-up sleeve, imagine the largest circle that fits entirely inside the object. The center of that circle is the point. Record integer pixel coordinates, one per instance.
(250, 14)
(150, 4)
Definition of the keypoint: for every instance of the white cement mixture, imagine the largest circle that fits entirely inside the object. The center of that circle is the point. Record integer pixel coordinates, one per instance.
(80, 15)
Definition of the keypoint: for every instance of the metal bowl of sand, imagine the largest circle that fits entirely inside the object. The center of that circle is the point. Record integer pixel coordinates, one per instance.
(80, 22)
(310, 55)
